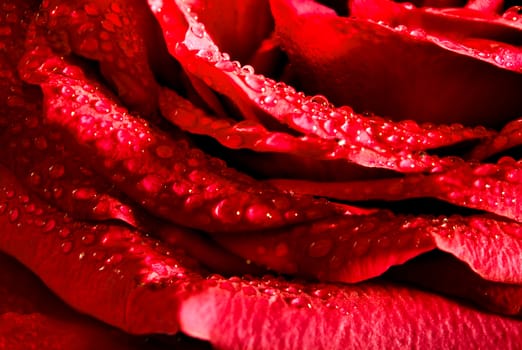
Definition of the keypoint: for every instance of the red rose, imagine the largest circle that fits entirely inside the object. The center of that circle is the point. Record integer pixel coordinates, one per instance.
(155, 182)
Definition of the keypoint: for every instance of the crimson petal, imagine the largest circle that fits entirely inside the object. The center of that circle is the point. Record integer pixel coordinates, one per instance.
(274, 314)
(232, 30)
(166, 176)
(256, 97)
(115, 33)
(109, 257)
(495, 188)
(423, 76)
(509, 137)
(31, 317)
(147, 287)
(352, 249)
(431, 272)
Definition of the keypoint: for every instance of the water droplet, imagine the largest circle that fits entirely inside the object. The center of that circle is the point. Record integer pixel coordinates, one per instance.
(281, 250)
(164, 151)
(88, 239)
(269, 101)
(234, 141)
(322, 293)
(198, 29)
(114, 259)
(151, 183)
(227, 285)
(360, 246)
(102, 107)
(247, 70)
(91, 9)
(257, 83)
(67, 247)
(226, 66)
(84, 194)
(227, 211)
(13, 215)
(320, 248)
(301, 302)
(320, 99)
(50, 225)
(249, 290)
(513, 13)
(56, 171)
(3, 208)
(9, 193)
(40, 142)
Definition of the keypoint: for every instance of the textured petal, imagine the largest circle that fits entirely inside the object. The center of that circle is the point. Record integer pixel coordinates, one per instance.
(252, 135)
(249, 315)
(356, 248)
(84, 264)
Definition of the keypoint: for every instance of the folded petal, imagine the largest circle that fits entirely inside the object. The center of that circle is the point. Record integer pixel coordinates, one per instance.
(494, 188)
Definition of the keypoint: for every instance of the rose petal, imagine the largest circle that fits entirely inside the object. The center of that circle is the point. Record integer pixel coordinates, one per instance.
(256, 96)
(115, 33)
(508, 138)
(82, 266)
(163, 173)
(232, 30)
(355, 248)
(326, 48)
(254, 136)
(494, 188)
(346, 249)
(30, 316)
(431, 272)
(274, 314)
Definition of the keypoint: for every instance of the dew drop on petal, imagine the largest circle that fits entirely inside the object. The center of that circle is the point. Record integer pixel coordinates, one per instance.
(164, 151)
(198, 29)
(50, 225)
(13, 215)
(301, 302)
(257, 83)
(227, 211)
(56, 171)
(151, 183)
(88, 239)
(67, 247)
(320, 248)
(64, 232)
(281, 250)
